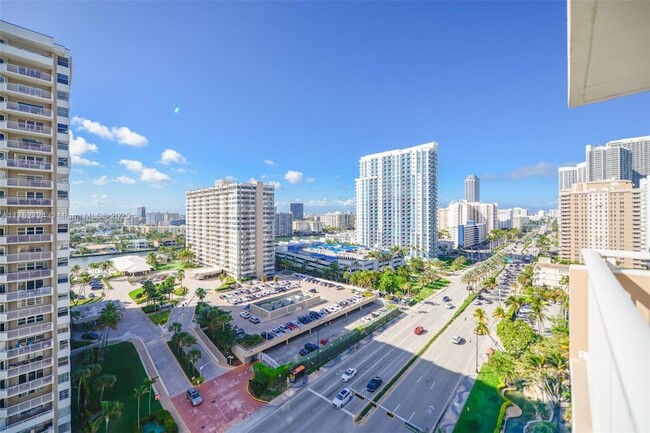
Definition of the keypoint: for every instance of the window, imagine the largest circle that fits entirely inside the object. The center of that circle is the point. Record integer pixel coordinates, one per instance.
(64, 394)
(62, 145)
(63, 278)
(63, 61)
(62, 261)
(62, 79)
(62, 111)
(64, 96)
(62, 195)
(60, 127)
(63, 162)
(64, 377)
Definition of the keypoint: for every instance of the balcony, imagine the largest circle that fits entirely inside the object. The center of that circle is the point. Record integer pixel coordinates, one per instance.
(27, 128)
(26, 164)
(25, 367)
(25, 183)
(25, 332)
(32, 92)
(26, 72)
(25, 275)
(25, 350)
(23, 239)
(25, 257)
(26, 294)
(36, 423)
(25, 145)
(25, 387)
(21, 201)
(13, 220)
(28, 110)
(26, 312)
(26, 53)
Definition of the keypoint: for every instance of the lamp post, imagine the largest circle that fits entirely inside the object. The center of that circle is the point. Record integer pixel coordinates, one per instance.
(477, 351)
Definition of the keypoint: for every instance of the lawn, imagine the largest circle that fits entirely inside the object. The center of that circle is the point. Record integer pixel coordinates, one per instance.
(429, 289)
(159, 318)
(133, 294)
(229, 282)
(80, 302)
(122, 360)
(180, 291)
(170, 266)
(481, 411)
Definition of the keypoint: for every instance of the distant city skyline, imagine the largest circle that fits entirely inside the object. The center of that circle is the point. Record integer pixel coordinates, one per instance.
(298, 107)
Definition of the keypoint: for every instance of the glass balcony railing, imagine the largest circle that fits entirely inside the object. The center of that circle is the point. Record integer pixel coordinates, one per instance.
(21, 201)
(29, 90)
(23, 163)
(30, 109)
(28, 72)
(26, 145)
(19, 126)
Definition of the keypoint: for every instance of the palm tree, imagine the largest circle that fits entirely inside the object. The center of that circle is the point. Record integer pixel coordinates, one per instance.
(537, 314)
(499, 313)
(276, 279)
(180, 275)
(74, 269)
(84, 278)
(175, 327)
(80, 375)
(514, 303)
(192, 356)
(264, 278)
(111, 409)
(480, 315)
(148, 384)
(104, 381)
(138, 393)
(201, 293)
(108, 319)
(346, 276)
(151, 259)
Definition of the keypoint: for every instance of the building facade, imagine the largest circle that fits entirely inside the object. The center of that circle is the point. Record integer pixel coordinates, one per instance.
(307, 226)
(35, 74)
(626, 159)
(297, 210)
(602, 216)
(283, 224)
(141, 212)
(339, 220)
(472, 188)
(397, 199)
(461, 212)
(230, 226)
(468, 235)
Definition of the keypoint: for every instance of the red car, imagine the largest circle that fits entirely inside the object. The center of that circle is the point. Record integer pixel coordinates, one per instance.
(419, 330)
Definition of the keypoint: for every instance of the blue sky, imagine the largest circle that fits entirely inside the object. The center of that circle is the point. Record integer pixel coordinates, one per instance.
(295, 92)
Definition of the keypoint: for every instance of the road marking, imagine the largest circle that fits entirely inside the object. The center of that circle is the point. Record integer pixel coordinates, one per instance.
(330, 402)
(397, 407)
(411, 416)
(419, 379)
(432, 385)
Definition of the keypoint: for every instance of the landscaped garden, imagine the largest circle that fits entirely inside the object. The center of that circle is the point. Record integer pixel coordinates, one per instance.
(180, 341)
(481, 411)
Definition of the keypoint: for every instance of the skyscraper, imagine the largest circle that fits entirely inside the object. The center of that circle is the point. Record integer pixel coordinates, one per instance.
(297, 210)
(640, 150)
(397, 199)
(230, 226)
(626, 159)
(141, 212)
(472, 188)
(35, 77)
(567, 176)
(283, 223)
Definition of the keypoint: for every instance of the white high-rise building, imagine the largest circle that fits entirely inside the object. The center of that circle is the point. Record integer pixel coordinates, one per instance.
(640, 150)
(626, 159)
(567, 176)
(35, 75)
(462, 212)
(230, 226)
(472, 188)
(397, 199)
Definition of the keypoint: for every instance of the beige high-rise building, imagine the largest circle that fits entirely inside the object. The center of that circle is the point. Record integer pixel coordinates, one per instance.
(601, 216)
(35, 75)
(339, 220)
(231, 226)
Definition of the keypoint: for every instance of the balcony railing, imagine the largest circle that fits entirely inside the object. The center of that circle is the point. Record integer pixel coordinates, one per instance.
(25, 332)
(21, 201)
(23, 163)
(26, 275)
(25, 367)
(26, 183)
(21, 350)
(29, 90)
(26, 312)
(26, 145)
(23, 108)
(19, 239)
(29, 50)
(34, 403)
(25, 387)
(26, 220)
(28, 72)
(25, 294)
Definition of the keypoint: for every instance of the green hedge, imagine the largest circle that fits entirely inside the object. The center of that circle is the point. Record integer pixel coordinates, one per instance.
(159, 318)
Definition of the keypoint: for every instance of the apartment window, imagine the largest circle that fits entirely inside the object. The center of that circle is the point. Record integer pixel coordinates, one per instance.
(60, 127)
(63, 96)
(62, 145)
(63, 428)
(62, 261)
(62, 112)
(63, 61)
(62, 195)
(64, 394)
(64, 377)
(63, 162)
(63, 278)
(63, 361)
(64, 344)
(62, 311)
(62, 79)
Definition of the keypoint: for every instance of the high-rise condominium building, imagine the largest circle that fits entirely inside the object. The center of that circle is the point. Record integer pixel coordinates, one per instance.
(339, 220)
(397, 199)
(283, 224)
(640, 150)
(35, 77)
(462, 212)
(626, 159)
(230, 226)
(297, 210)
(567, 176)
(472, 188)
(603, 216)
(141, 212)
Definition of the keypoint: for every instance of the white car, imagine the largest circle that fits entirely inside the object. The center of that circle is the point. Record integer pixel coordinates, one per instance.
(342, 397)
(456, 339)
(449, 306)
(348, 374)
(245, 314)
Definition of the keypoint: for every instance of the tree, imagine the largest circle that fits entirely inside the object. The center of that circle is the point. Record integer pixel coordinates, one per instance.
(346, 276)
(201, 293)
(276, 279)
(150, 290)
(151, 259)
(516, 336)
(138, 393)
(480, 315)
(192, 356)
(108, 320)
(148, 384)
(499, 313)
(186, 256)
(104, 381)
(111, 409)
(264, 278)
(175, 327)
(80, 376)
(180, 275)
(537, 313)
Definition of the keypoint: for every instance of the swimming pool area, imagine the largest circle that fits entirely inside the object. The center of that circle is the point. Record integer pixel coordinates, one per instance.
(323, 251)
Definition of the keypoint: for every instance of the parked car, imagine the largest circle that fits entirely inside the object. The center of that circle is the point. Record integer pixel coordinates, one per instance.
(348, 374)
(311, 347)
(245, 314)
(418, 330)
(254, 319)
(374, 383)
(342, 397)
(313, 290)
(304, 352)
(194, 396)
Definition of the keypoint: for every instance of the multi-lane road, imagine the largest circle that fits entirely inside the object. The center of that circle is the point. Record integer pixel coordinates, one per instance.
(420, 395)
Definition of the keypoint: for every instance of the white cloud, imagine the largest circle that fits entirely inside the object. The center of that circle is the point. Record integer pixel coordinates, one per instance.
(318, 203)
(102, 180)
(252, 180)
(125, 179)
(293, 176)
(348, 202)
(77, 160)
(269, 162)
(264, 176)
(154, 176)
(179, 170)
(176, 110)
(132, 165)
(311, 180)
(275, 184)
(77, 182)
(121, 134)
(79, 146)
(338, 203)
(170, 155)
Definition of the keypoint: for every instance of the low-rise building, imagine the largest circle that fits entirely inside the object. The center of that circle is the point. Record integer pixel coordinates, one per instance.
(547, 274)
(468, 235)
(166, 242)
(138, 244)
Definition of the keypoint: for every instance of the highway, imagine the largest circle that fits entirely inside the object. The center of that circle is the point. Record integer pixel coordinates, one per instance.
(311, 408)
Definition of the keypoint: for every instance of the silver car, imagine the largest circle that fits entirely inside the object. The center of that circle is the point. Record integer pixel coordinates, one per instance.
(194, 397)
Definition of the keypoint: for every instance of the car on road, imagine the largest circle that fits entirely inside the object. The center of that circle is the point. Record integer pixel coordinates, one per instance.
(374, 383)
(194, 396)
(418, 330)
(487, 301)
(313, 290)
(348, 374)
(446, 299)
(245, 314)
(311, 347)
(456, 339)
(449, 306)
(342, 397)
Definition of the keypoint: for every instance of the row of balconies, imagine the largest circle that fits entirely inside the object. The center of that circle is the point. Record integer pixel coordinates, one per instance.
(24, 163)
(15, 369)
(26, 72)
(23, 239)
(26, 312)
(22, 90)
(22, 201)
(25, 275)
(26, 145)
(25, 332)
(24, 110)
(25, 183)
(11, 391)
(25, 406)
(26, 294)
(23, 350)
(20, 220)
(25, 257)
